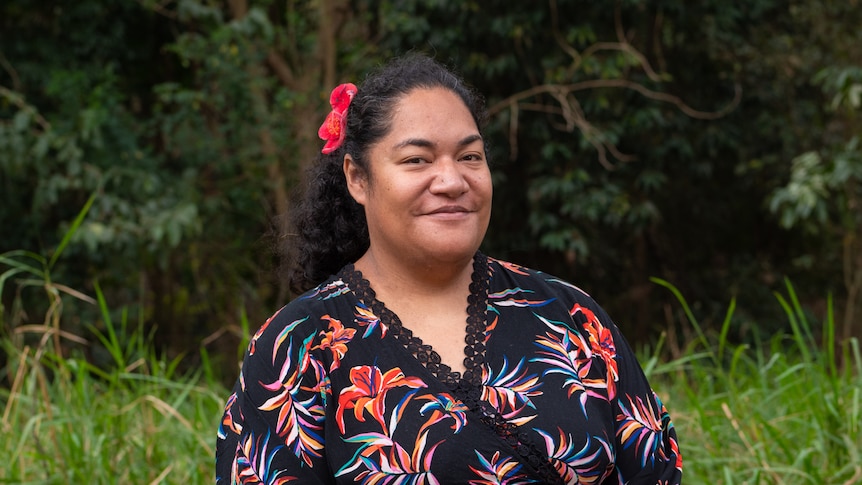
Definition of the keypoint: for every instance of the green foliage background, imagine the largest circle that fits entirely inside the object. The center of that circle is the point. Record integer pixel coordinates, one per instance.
(714, 144)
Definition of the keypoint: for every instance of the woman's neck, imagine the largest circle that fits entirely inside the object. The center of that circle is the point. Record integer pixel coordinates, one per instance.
(391, 276)
(431, 303)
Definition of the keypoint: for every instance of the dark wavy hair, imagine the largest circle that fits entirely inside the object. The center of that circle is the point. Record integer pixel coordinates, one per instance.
(327, 227)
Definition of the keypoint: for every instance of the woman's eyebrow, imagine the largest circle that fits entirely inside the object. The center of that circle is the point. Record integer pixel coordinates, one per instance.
(416, 142)
(470, 139)
(421, 142)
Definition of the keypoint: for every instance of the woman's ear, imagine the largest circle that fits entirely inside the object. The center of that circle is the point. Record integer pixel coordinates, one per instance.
(357, 180)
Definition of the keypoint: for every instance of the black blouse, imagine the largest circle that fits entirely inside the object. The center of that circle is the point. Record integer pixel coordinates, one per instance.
(334, 389)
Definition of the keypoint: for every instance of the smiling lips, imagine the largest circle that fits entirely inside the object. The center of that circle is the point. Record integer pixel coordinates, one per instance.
(449, 209)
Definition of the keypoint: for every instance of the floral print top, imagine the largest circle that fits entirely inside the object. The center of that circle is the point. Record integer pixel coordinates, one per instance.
(334, 389)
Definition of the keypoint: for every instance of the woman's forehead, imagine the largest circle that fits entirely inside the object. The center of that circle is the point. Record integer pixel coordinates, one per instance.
(431, 113)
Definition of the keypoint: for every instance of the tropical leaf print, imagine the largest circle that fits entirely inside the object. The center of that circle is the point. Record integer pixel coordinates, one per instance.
(254, 464)
(507, 292)
(498, 471)
(300, 425)
(567, 285)
(282, 336)
(591, 464)
(365, 318)
(515, 268)
(441, 407)
(507, 298)
(336, 291)
(674, 448)
(368, 392)
(567, 353)
(490, 326)
(228, 422)
(252, 346)
(299, 421)
(509, 390)
(602, 345)
(328, 291)
(640, 428)
(335, 340)
(370, 444)
(667, 425)
(546, 346)
(395, 466)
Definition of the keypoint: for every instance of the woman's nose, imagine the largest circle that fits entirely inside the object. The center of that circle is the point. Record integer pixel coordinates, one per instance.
(449, 179)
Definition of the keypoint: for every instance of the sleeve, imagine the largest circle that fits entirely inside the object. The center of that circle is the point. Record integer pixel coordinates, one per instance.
(272, 428)
(647, 447)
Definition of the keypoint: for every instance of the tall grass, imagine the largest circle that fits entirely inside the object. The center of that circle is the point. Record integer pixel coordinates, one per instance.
(787, 410)
(66, 421)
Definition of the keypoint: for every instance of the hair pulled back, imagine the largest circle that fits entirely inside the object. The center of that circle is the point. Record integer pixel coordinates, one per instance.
(329, 228)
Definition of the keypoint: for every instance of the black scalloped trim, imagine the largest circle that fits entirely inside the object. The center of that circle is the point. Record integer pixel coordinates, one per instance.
(467, 388)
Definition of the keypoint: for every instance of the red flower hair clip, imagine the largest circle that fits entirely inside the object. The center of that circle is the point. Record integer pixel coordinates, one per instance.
(332, 129)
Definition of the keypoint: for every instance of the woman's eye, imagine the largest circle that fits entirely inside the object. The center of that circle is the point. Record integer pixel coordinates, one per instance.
(414, 160)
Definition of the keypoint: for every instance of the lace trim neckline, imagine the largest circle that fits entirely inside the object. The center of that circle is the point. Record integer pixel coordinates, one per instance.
(467, 388)
(474, 349)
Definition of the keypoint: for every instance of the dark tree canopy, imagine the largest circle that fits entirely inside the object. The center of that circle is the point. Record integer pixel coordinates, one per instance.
(713, 144)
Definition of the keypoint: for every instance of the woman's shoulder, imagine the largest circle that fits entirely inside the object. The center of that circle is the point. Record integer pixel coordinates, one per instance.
(510, 274)
(308, 313)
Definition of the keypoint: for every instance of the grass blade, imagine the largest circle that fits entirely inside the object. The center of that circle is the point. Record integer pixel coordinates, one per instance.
(72, 230)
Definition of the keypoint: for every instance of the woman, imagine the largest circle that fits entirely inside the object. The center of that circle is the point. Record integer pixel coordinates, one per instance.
(474, 370)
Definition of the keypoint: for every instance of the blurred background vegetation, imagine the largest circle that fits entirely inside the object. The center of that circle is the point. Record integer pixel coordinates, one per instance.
(149, 150)
(712, 143)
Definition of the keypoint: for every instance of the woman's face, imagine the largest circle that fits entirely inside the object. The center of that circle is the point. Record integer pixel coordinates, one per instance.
(427, 197)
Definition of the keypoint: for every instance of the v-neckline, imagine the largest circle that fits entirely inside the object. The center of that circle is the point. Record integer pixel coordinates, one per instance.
(476, 325)
(468, 387)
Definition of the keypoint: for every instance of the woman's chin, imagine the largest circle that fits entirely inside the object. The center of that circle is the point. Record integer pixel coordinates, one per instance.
(450, 252)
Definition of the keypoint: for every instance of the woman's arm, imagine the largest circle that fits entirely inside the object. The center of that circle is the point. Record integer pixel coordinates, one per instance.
(272, 428)
(647, 447)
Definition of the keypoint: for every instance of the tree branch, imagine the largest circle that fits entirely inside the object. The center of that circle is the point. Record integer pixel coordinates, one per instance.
(159, 8)
(281, 69)
(18, 100)
(569, 109)
(7, 66)
(621, 45)
(619, 83)
(327, 30)
(238, 8)
(555, 29)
